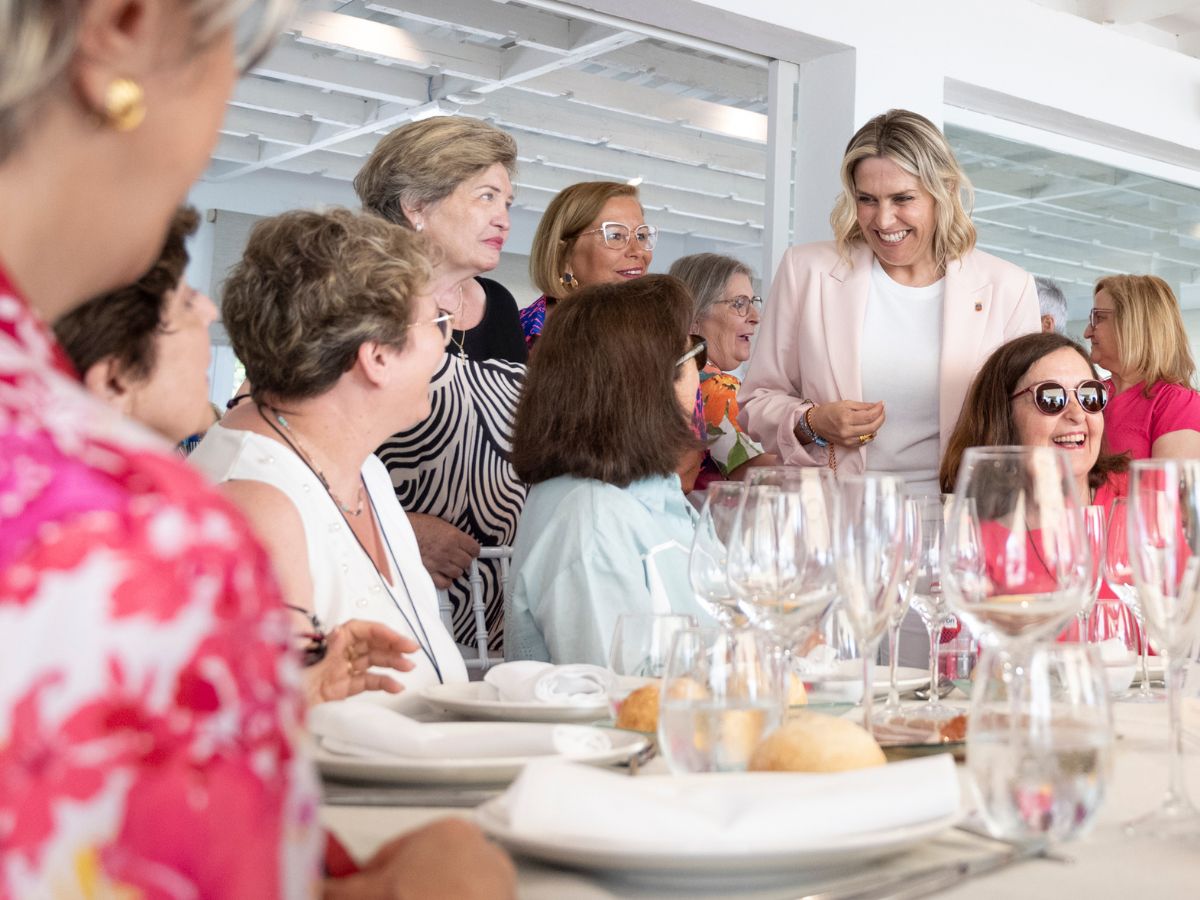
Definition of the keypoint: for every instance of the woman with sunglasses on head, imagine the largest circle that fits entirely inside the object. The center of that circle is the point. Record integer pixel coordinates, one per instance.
(726, 314)
(1137, 334)
(869, 342)
(605, 529)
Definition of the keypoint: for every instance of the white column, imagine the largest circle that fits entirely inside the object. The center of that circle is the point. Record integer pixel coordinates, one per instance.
(781, 132)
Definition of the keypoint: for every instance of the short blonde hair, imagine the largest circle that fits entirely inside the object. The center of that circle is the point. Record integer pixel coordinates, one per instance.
(423, 162)
(1151, 340)
(313, 287)
(918, 147)
(38, 38)
(569, 213)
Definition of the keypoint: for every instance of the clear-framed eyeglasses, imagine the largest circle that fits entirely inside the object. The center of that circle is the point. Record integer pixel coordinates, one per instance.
(443, 320)
(1096, 316)
(616, 235)
(741, 304)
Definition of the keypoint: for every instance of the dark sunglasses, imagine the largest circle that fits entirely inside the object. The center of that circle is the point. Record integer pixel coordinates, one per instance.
(697, 350)
(1051, 398)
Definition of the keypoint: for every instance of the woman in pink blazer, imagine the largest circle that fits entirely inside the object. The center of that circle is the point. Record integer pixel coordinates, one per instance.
(869, 342)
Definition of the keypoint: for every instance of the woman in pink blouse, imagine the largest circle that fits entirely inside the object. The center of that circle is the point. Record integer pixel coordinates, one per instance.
(149, 702)
(1137, 334)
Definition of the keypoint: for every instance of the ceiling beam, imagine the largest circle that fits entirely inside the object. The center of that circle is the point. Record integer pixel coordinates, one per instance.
(270, 127)
(723, 79)
(284, 99)
(617, 96)
(526, 27)
(1129, 12)
(304, 65)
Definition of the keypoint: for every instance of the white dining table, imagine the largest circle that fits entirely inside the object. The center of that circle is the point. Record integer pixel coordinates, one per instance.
(1105, 863)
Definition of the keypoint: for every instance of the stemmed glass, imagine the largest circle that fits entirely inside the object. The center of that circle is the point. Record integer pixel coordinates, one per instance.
(1164, 531)
(869, 538)
(781, 559)
(1093, 529)
(928, 598)
(1118, 572)
(1015, 563)
(708, 565)
(904, 585)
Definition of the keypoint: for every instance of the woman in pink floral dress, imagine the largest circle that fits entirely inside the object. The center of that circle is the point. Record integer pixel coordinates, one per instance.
(149, 711)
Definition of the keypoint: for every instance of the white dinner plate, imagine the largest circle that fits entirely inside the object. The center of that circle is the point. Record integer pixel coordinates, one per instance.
(845, 689)
(394, 769)
(703, 865)
(479, 700)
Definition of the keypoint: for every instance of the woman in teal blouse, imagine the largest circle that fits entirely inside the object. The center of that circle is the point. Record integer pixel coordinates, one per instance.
(604, 419)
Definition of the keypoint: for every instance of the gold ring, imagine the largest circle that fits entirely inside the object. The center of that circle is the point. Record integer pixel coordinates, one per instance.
(866, 438)
(350, 669)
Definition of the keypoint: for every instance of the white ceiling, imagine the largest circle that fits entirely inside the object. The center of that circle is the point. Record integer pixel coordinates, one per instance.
(589, 97)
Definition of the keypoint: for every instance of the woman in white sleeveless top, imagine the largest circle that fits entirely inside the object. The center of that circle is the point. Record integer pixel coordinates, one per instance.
(330, 314)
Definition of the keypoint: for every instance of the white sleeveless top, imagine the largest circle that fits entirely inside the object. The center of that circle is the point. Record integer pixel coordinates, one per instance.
(345, 583)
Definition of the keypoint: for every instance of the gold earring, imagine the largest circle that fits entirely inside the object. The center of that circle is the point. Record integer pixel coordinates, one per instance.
(567, 280)
(124, 104)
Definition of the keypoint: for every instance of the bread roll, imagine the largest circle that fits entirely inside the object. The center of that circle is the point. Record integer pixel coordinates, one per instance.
(639, 711)
(797, 694)
(812, 742)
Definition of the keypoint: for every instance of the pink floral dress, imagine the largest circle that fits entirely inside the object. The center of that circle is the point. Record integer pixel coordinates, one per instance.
(149, 704)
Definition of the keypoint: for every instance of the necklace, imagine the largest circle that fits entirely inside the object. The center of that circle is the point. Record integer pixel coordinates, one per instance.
(459, 341)
(306, 458)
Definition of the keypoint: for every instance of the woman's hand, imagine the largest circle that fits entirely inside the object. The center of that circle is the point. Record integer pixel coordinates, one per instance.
(446, 552)
(449, 859)
(351, 650)
(843, 422)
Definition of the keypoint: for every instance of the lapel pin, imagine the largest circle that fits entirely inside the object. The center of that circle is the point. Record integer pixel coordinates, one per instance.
(978, 307)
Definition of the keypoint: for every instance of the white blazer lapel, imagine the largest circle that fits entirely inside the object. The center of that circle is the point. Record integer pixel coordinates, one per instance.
(844, 292)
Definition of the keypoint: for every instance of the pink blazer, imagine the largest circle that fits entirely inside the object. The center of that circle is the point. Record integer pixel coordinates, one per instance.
(810, 346)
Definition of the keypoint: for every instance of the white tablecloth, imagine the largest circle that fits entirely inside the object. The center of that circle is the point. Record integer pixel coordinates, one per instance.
(1105, 864)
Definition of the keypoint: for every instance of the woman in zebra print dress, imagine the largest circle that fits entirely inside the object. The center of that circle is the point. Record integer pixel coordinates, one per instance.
(449, 178)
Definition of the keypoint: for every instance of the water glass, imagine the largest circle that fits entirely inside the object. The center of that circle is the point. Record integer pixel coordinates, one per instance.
(1040, 740)
(723, 692)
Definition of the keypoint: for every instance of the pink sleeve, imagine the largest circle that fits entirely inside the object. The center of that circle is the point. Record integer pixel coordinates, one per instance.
(1174, 408)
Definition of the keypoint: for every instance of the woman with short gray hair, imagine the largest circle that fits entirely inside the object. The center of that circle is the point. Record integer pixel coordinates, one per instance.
(726, 315)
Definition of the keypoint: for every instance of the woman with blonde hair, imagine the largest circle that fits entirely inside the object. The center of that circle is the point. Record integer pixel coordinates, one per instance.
(448, 177)
(870, 341)
(1137, 334)
(594, 232)
(150, 718)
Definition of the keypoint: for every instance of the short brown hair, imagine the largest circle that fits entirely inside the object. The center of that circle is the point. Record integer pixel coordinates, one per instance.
(599, 400)
(423, 162)
(123, 324)
(569, 213)
(313, 287)
(986, 419)
(1151, 341)
(918, 147)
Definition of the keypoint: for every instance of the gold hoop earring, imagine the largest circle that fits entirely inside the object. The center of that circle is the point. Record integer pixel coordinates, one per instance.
(124, 104)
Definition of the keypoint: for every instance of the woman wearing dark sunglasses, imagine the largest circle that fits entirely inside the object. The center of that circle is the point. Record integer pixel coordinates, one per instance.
(1041, 390)
(601, 425)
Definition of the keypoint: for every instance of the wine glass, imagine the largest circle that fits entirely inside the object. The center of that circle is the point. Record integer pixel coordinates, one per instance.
(640, 645)
(1118, 572)
(709, 561)
(1015, 562)
(1039, 740)
(1094, 523)
(723, 691)
(781, 559)
(1164, 532)
(927, 595)
(869, 539)
(904, 586)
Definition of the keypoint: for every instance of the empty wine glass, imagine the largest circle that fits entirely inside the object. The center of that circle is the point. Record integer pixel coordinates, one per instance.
(781, 559)
(900, 606)
(1094, 525)
(1039, 740)
(1164, 531)
(1118, 572)
(927, 596)
(640, 646)
(1015, 564)
(723, 691)
(869, 537)
(709, 561)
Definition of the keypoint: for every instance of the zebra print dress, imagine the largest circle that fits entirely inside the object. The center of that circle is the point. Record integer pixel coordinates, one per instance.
(455, 465)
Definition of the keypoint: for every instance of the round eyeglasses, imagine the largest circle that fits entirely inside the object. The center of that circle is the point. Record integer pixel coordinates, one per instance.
(741, 304)
(1051, 398)
(616, 236)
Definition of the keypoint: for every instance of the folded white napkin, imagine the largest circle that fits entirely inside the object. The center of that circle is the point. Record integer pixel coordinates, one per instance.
(751, 811)
(541, 682)
(363, 729)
